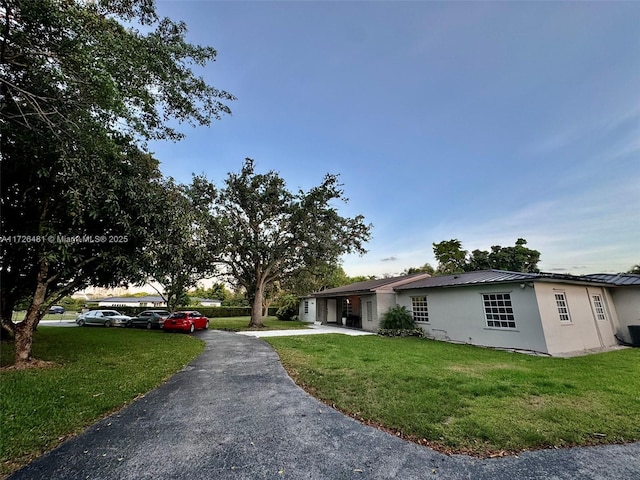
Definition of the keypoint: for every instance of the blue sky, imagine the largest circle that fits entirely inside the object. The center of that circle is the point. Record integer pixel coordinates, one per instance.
(479, 121)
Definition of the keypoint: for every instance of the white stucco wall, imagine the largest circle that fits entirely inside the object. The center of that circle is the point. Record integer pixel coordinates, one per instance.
(380, 303)
(584, 331)
(310, 316)
(457, 314)
(627, 305)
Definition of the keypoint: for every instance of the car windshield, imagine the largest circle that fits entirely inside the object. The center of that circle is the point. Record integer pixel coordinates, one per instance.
(178, 315)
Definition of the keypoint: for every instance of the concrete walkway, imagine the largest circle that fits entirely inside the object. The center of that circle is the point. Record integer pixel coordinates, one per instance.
(312, 330)
(233, 413)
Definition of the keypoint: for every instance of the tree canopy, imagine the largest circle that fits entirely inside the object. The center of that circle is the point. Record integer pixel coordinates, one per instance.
(178, 255)
(268, 234)
(81, 91)
(453, 259)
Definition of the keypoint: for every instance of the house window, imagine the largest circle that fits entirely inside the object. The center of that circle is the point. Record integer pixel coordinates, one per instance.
(563, 307)
(498, 310)
(598, 307)
(369, 311)
(420, 309)
(306, 306)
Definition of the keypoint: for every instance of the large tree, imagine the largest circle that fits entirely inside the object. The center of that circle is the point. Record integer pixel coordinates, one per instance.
(178, 254)
(453, 259)
(269, 234)
(81, 91)
(450, 256)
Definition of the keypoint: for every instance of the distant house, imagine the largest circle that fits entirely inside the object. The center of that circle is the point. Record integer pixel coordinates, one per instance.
(207, 302)
(548, 313)
(150, 301)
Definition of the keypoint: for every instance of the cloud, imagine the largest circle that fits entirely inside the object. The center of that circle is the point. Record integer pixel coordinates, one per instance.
(390, 259)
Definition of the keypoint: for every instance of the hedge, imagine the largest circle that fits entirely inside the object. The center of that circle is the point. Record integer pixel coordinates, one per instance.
(209, 312)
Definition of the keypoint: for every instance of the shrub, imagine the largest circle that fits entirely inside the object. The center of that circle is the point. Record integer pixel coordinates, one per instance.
(397, 318)
(288, 310)
(395, 332)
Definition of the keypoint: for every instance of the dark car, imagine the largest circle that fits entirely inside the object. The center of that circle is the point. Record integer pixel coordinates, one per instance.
(149, 319)
(56, 309)
(186, 322)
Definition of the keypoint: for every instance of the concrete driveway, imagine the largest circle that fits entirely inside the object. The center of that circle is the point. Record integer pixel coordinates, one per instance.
(233, 413)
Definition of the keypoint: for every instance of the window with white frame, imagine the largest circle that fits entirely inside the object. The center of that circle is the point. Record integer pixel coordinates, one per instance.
(498, 310)
(420, 309)
(598, 307)
(369, 311)
(306, 306)
(563, 307)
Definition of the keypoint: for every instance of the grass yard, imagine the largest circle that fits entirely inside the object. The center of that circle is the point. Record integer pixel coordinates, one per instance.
(237, 324)
(96, 371)
(465, 399)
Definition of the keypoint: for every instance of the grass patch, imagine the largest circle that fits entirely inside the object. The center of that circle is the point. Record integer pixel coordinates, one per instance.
(459, 398)
(96, 371)
(237, 324)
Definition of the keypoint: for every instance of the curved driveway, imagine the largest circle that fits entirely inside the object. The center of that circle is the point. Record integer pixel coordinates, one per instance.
(234, 413)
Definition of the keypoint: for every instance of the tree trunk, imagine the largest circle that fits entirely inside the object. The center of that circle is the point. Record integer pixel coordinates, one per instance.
(256, 307)
(23, 331)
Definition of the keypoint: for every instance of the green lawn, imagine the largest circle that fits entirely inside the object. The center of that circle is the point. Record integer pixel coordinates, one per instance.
(236, 324)
(466, 399)
(97, 371)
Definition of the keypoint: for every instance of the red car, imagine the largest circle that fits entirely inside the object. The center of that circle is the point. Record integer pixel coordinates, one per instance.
(189, 321)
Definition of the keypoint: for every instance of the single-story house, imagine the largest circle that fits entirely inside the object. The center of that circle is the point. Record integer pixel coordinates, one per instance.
(547, 313)
(357, 305)
(149, 301)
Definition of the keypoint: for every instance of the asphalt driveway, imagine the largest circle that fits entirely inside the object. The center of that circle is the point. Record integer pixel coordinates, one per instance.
(233, 413)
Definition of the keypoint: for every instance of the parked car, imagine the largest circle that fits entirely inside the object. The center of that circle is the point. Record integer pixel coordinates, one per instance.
(106, 318)
(55, 309)
(149, 319)
(189, 321)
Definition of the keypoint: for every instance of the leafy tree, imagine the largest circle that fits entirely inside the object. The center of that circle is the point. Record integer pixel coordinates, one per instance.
(288, 310)
(450, 256)
(178, 254)
(317, 278)
(518, 258)
(80, 94)
(426, 268)
(453, 259)
(635, 269)
(269, 234)
(218, 291)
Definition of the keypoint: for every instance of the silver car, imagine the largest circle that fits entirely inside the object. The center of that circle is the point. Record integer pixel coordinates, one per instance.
(105, 318)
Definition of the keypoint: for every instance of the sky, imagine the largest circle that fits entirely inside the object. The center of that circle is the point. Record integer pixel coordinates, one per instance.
(483, 121)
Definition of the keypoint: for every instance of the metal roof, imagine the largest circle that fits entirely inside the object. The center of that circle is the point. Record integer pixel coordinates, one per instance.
(367, 285)
(470, 278)
(499, 276)
(620, 279)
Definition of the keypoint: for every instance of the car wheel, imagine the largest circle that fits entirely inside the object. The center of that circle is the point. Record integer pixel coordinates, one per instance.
(107, 323)
(206, 325)
(81, 323)
(148, 325)
(192, 328)
(129, 324)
